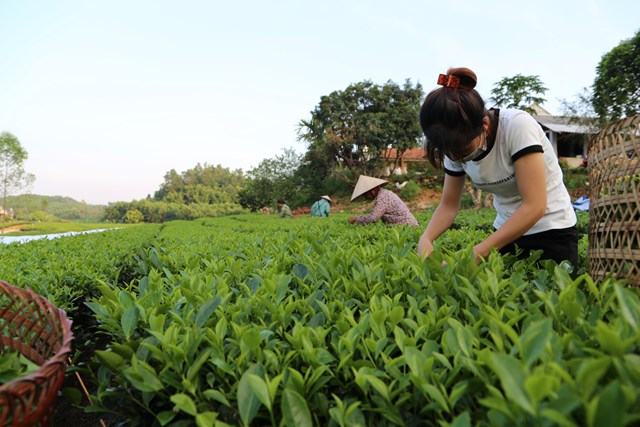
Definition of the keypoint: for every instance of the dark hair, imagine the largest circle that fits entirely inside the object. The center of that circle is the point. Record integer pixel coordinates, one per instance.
(282, 202)
(451, 116)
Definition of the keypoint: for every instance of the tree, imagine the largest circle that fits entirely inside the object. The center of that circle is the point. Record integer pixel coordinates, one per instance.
(12, 174)
(272, 179)
(349, 129)
(580, 110)
(202, 184)
(518, 92)
(133, 216)
(616, 88)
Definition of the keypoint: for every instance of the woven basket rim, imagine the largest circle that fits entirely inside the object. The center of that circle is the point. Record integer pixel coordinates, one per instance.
(49, 374)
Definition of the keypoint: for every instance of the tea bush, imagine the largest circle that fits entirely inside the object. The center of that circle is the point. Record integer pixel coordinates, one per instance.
(254, 320)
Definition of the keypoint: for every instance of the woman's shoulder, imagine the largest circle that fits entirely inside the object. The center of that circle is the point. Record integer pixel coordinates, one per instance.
(512, 116)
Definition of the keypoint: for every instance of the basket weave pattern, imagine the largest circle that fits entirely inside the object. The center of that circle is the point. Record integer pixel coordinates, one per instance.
(614, 212)
(31, 325)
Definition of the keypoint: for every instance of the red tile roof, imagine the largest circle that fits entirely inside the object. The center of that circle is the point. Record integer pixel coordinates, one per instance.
(410, 154)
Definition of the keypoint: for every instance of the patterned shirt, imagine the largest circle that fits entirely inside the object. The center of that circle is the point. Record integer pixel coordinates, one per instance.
(390, 209)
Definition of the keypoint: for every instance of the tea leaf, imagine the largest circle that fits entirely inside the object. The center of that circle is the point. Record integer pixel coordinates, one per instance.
(165, 417)
(295, 410)
(195, 367)
(610, 407)
(512, 375)
(212, 394)
(539, 386)
(300, 270)
(184, 403)
(248, 402)
(609, 339)
(129, 321)
(589, 374)
(206, 419)
(142, 376)
(629, 305)
(462, 420)
(259, 387)
(251, 339)
(205, 312)
(557, 417)
(533, 340)
(435, 394)
(111, 359)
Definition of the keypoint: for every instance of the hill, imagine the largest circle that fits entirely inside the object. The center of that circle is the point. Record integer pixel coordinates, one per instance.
(27, 206)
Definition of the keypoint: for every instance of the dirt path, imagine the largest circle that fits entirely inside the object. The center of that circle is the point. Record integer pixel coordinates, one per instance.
(16, 227)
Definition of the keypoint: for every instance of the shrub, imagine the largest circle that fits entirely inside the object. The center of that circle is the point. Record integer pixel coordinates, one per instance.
(410, 190)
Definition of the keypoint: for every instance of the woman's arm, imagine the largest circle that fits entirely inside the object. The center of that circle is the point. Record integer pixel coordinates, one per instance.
(532, 185)
(444, 214)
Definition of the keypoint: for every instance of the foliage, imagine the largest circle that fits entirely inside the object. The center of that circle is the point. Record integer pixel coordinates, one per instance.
(616, 88)
(271, 180)
(66, 269)
(349, 129)
(580, 111)
(204, 184)
(410, 190)
(14, 365)
(133, 216)
(295, 326)
(251, 320)
(39, 216)
(62, 208)
(12, 174)
(160, 211)
(518, 92)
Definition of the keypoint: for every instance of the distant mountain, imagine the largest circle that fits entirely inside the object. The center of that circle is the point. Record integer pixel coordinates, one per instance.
(63, 208)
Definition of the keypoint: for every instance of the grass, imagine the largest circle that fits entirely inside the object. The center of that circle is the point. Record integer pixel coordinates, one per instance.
(39, 228)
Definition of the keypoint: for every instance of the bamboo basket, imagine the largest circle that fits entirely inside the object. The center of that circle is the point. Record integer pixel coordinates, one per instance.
(31, 325)
(614, 210)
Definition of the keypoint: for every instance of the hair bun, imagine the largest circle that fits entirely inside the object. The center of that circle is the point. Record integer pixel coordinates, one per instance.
(468, 78)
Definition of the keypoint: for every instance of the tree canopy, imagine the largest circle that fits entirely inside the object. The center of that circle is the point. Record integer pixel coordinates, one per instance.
(12, 174)
(616, 88)
(518, 92)
(203, 184)
(272, 179)
(350, 128)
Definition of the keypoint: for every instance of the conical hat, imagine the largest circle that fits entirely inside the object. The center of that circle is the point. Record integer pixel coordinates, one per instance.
(366, 183)
(327, 198)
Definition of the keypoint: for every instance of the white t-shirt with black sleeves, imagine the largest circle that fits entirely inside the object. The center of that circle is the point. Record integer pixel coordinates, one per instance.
(518, 134)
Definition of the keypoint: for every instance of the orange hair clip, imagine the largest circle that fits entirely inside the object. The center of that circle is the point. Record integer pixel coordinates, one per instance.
(449, 81)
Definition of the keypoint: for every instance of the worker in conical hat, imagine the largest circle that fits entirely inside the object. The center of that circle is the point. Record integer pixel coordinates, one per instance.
(321, 207)
(389, 208)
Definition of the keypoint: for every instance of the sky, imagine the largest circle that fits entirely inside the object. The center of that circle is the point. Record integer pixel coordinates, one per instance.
(108, 96)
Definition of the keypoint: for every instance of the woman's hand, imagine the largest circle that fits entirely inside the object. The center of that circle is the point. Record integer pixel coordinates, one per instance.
(425, 246)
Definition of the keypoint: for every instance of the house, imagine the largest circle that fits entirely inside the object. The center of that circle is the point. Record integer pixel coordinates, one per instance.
(7, 213)
(397, 165)
(569, 138)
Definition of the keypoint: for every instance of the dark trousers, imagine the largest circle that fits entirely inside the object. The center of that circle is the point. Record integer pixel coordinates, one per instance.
(557, 245)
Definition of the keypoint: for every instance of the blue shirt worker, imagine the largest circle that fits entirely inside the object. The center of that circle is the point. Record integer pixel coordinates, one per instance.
(322, 207)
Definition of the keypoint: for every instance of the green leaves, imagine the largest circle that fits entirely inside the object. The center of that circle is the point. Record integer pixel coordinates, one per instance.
(241, 321)
(295, 410)
(129, 320)
(248, 401)
(512, 375)
(532, 342)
